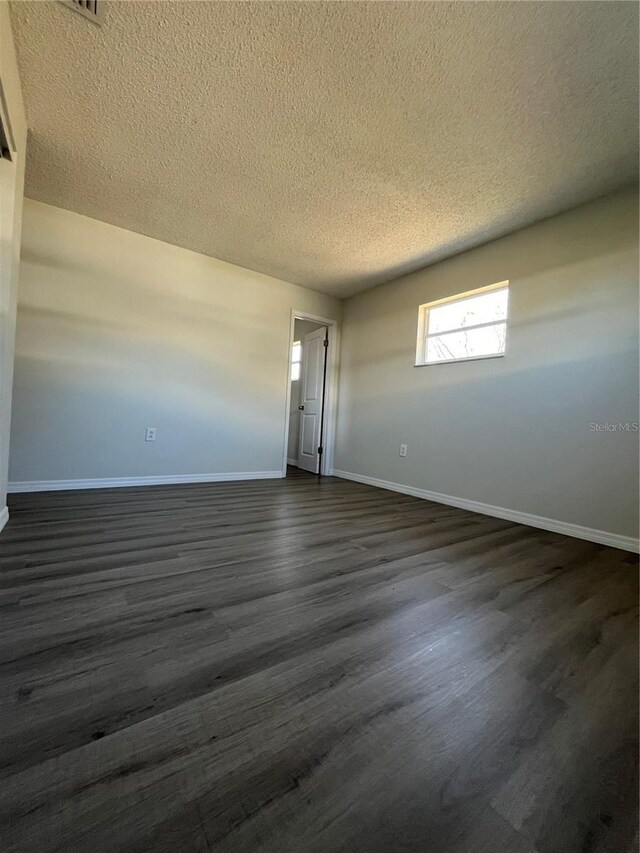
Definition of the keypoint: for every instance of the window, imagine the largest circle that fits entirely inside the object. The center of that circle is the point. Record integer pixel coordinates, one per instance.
(296, 358)
(470, 325)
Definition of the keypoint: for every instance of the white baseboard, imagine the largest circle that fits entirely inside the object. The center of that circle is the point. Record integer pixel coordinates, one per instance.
(293, 462)
(4, 516)
(603, 537)
(120, 482)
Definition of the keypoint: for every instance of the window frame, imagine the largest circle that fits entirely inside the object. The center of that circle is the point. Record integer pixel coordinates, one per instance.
(423, 326)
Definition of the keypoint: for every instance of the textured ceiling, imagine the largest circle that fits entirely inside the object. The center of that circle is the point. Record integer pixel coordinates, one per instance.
(333, 145)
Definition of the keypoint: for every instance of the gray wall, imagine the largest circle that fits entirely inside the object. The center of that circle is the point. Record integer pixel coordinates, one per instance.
(301, 328)
(512, 432)
(117, 332)
(11, 196)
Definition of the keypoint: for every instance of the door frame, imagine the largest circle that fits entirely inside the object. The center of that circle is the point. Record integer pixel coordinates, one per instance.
(330, 389)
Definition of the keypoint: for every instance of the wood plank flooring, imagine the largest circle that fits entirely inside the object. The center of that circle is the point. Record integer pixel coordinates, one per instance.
(310, 666)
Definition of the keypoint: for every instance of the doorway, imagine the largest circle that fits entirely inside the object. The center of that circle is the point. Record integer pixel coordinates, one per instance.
(310, 409)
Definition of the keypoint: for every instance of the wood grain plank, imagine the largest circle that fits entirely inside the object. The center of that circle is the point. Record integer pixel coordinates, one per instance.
(310, 665)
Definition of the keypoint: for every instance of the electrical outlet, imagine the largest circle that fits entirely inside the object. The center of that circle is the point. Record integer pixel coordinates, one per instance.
(150, 434)
(403, 450)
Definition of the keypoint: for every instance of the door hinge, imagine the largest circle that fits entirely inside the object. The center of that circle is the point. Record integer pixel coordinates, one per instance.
(319, 451)
(326, 342)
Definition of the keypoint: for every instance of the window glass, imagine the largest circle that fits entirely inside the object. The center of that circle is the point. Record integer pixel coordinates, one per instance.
(473, 343)
(296, 358)
(471, 325)
(485, 308)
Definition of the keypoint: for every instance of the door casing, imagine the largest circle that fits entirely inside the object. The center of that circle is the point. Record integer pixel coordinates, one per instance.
(314, 356)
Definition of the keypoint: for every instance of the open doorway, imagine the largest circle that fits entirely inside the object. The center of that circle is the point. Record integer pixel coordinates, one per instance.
(308, 369)
(309, 434)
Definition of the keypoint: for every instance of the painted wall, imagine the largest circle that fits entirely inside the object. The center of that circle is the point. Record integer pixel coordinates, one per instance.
(513, 432)
(117, 332)
(11, 197)
(301, 328)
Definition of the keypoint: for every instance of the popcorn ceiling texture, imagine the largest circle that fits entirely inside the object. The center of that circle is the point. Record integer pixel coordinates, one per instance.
(333, 145)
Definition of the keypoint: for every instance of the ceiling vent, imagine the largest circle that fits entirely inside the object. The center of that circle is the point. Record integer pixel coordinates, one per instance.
(92, 9)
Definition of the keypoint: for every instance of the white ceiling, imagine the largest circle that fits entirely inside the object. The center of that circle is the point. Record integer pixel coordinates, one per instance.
(334, 145)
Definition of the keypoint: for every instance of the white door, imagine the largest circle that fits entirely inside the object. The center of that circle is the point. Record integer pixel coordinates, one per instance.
(313, 358)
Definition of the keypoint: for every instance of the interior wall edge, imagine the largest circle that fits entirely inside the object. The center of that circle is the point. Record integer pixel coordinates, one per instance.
(12, 193)
(118, 332)
(552, 427)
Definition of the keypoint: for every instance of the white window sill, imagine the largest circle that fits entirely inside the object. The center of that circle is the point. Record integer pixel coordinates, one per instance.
(457, 360)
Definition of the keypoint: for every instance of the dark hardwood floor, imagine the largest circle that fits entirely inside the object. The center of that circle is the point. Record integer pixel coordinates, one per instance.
(310, 666)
